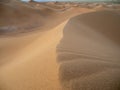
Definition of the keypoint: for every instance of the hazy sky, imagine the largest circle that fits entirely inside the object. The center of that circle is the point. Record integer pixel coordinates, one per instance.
(67, 0)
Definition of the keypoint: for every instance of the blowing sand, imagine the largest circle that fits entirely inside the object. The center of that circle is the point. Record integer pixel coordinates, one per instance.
(55, 46)
(31, 66)
(89, 52)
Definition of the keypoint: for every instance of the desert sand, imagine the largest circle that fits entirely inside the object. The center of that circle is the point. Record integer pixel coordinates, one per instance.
(59, 46)
(89, 52)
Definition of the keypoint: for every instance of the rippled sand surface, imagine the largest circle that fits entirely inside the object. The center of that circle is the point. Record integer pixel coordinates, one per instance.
(59, 46)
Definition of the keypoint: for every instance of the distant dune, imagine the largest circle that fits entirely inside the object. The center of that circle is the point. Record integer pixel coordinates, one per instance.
(17, 17)
(59, 46)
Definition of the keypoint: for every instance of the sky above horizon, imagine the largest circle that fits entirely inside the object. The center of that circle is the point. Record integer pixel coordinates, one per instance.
(66, 0)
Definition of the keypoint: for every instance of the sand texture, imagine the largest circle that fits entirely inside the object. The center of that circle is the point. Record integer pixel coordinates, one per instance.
(89, 52)
(59, 46)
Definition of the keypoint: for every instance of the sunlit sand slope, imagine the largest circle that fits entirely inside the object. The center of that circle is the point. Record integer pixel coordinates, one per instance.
(29, 62)
(89, 52)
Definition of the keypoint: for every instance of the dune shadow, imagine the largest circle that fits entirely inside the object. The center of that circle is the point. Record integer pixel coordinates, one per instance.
(89, 52)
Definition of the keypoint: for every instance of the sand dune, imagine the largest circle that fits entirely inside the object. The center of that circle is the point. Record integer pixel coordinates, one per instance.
(20, 18)
(30, 61)
(89, 52)
(35, 36)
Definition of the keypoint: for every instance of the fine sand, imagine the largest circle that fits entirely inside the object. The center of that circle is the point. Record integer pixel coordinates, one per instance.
(59, 46)
(89, 52)
(29, 62)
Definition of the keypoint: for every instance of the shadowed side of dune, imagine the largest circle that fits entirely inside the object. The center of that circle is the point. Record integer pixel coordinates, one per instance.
(89, 52)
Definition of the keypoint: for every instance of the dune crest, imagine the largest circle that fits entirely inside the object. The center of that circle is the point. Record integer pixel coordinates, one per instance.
(33, 65)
